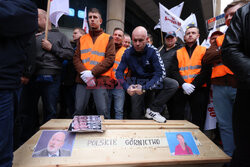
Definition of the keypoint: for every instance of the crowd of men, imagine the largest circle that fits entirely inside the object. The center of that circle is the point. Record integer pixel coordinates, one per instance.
(114, 76)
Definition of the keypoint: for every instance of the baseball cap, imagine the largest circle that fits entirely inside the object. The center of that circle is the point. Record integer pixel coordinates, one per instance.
(170, 33)
(217, 33)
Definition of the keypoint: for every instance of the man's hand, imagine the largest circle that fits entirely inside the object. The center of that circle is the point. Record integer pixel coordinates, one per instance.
(138, 89)
(131, 90)
(24, 80)
(188, 88)
(38, 34)
(88, 78)
(46, 45)
(91, 83)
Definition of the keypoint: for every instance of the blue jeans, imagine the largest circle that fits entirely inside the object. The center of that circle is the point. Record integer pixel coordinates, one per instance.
(223, 99)
(8, 101)
(67, 100)
(82, 98)
(119, 98)
(29, 111)
(17, 129)
(49, 91)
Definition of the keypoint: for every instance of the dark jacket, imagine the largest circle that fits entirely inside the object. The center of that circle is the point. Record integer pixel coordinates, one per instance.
(101, 67)
(235, 48)
(51, 62)
(18, 21)
(30, 53)
(147, 68)
(213, 57)
(68, 70)
(167, 58)
(45, 153)
(200, 79)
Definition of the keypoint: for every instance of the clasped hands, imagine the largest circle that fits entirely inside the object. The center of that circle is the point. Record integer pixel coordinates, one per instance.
(135, 89)
(188, 88)
(88, 78)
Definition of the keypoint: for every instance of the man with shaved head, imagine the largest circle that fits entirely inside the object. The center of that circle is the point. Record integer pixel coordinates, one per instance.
(50, 54)
(45, 82)
(147, 78)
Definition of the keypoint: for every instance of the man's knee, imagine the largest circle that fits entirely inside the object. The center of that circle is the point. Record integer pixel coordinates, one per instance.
(170, 83)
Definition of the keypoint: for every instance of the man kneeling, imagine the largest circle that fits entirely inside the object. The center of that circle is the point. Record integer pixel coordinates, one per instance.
(148, 78)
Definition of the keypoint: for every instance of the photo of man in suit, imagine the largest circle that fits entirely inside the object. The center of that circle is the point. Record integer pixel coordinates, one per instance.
(54, 147)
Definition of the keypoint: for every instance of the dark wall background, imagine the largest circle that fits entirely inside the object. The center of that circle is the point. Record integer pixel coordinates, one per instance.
(134, 15)
(72, 22)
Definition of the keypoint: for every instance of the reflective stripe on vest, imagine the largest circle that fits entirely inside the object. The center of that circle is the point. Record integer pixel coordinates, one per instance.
(93, 54)
(220, 70)
(118, 57)
(189, 68)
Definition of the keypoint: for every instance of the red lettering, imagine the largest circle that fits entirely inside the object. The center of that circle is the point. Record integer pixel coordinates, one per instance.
(172, 20)
(212, 114)
(210, 109)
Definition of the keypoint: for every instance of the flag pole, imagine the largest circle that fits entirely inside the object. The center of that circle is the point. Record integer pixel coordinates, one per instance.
(162, 41)
(178, 29)
(161, 35)
(47, 20)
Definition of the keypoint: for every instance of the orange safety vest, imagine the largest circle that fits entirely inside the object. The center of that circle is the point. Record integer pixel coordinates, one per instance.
(118, 57)
(189, 68)
(220, 70)
(92, 54)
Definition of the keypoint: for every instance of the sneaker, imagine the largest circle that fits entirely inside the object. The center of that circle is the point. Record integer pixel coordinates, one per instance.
(155, 115)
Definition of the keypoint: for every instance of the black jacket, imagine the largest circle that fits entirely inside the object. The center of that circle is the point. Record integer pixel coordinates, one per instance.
(30, 53)
(68, 70)
(18, 22)
(51, 62)
(235, 48)
(167, 58)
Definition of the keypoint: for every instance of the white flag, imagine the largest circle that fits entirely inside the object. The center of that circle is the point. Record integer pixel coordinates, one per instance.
(158, 25)
(57, 9)
(205, 43)
(176, 10)
(191, 19)
(210, 122)
(170, 22)
(85, 25)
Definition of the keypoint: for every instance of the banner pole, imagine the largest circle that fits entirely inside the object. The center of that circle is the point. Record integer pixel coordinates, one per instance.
(47, 20)
(162, 41)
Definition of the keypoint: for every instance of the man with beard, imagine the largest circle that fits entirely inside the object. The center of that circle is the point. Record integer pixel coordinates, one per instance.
(54, 147)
